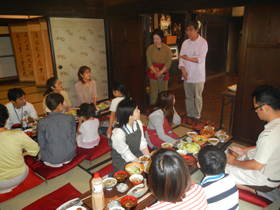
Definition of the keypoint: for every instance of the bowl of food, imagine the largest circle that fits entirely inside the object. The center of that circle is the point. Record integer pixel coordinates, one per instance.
(189, 147)
(28, 132)
(134, 168)
(136, 179)
(223, 137)
(112, 204)
(117, 208)
(189, 139)
(145, 158)
(120, 176)
(165, 145)
(182, 152)
(213, 141)
(191, 134)
(209, 127)
(207, 133)
(200, 140)
(195, 154)
(197, 128)
(189, 160)
(129, 202)
(17, 125)
(122, 187)
(109, 183)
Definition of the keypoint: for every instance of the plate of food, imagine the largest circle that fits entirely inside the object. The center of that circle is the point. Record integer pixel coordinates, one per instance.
(75, 203)
(138, 190)
(207, 133)
(189, 147)
(103, 105)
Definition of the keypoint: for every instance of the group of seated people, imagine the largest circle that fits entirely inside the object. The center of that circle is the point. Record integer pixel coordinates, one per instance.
(258, 170)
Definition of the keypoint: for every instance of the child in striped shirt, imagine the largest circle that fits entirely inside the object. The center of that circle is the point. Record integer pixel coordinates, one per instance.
(221, 191)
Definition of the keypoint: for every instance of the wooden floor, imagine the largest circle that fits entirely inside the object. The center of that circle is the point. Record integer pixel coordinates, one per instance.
(212, 98)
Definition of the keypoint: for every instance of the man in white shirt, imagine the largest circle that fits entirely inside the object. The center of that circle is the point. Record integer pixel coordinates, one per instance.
(18, 107)
(192, 63)
(258, 169)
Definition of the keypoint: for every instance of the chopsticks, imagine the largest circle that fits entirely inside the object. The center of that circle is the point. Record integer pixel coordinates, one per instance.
(85, 198)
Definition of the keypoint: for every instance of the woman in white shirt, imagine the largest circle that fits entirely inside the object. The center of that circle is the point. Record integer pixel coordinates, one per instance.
(128, 142)
(160, 121)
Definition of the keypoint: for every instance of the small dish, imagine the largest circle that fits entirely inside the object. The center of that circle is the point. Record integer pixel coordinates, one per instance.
(189, 139)
(113, 204)
(136, 179)
(109, 183)
(122, 187)
(191, 133)
(165, 145)
(117, 208)
(195, 154)
(182, 152)
(197, 128)
(213, 141)
(223, 137)
(28, 132)
(144, 158)
(209, 127)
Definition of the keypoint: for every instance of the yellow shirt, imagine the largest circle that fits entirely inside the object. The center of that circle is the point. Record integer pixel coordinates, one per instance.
(11, 160)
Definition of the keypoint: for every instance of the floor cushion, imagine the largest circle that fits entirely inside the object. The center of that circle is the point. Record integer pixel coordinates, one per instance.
(31, 181)
(101, 119)
(49, 172)
(105, 170)
(97, 151)
(55, 199)
(253, 198)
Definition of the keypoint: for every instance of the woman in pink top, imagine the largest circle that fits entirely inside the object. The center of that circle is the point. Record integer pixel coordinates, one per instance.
(86, 87)
(170, 182)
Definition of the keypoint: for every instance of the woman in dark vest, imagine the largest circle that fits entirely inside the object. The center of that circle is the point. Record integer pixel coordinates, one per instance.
(128, 142)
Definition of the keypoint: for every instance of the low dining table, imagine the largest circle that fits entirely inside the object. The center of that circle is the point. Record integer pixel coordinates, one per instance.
(147, 199)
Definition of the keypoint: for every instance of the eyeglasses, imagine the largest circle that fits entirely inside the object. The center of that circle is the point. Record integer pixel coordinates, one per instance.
(190, 29)
(255, 108)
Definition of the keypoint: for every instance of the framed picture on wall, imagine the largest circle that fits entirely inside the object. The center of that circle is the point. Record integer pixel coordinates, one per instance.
(174, 51)
(165, 26)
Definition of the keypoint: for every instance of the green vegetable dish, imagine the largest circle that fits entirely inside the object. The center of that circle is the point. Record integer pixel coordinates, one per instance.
(133, 169)
(199, 138)
(189, 147)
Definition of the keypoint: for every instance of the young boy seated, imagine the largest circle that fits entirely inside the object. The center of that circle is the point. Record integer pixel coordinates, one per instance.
(57, 134)
(221, 191)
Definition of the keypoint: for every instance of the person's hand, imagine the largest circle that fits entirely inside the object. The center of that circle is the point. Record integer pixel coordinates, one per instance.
(185, 57)
(185, 76)
(24, 153)
(230, 159)
(109, 132)
(239, 150)
(158, 75)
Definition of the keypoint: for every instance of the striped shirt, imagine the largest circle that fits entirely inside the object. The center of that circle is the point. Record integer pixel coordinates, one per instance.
(221, 192)
(195, 199)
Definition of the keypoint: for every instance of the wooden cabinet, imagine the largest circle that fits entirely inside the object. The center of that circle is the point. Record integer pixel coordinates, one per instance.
(259, 64)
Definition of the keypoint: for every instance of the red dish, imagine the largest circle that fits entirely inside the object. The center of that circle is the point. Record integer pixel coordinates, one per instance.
(128, 202)
(189, 160)
(197, 128)
(170, 148)
(120, 176)
(18, 125)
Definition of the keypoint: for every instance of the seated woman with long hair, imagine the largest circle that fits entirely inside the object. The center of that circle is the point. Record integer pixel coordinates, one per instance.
(160, 121)
(170, 182)
(127, 142)
(13, 169)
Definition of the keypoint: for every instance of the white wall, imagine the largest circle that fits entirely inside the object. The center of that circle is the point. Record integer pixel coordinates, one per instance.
(80, 42)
